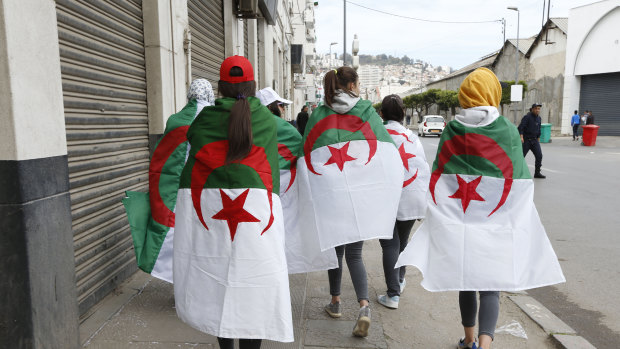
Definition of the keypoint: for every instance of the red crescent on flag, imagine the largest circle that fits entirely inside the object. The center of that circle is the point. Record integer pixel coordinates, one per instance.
(345, 122)
(286, 153)
(171, 140)
(477, 145)
(410, 180)
(212, 156)
(396, 133)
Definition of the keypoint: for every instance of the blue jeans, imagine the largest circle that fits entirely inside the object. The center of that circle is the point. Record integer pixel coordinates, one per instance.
(575, 131)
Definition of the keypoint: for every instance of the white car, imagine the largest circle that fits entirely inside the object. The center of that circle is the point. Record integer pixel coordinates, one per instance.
(431, 125)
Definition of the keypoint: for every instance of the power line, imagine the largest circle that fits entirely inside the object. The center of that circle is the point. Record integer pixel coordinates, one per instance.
(422, 19)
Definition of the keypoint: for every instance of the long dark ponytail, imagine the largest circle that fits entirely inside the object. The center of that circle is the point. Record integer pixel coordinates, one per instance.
(240, 121)
(338, 79)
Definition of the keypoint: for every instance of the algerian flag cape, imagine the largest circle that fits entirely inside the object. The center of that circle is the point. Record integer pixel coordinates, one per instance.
(230, 274)
(482, 230)
(303, 252)
(151, 215)
(350, 177)
(417, 173)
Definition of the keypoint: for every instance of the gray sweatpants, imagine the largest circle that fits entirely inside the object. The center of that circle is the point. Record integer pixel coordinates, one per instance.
(487, 314)
(353, 255)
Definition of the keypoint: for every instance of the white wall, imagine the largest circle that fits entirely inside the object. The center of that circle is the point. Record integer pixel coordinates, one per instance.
(593, 47)
(32, 117)
(167, 78)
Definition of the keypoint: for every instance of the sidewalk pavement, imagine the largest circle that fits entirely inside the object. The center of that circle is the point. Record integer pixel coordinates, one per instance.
(141, 314)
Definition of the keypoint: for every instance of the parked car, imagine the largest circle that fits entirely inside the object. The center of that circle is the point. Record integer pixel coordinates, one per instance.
(431, 125)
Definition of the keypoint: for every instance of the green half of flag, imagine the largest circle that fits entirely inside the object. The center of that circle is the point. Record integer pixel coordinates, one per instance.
(337, 128)
(211, 126)
(492, 150)
(151, 215)
(289, 143)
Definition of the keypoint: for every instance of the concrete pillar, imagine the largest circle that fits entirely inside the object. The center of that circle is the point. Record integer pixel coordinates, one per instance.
(165, 25)
(38, 301)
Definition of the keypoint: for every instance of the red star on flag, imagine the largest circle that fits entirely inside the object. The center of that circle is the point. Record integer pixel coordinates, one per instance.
(405, 156)
(234, 213)
(339, 156)
(467, 191)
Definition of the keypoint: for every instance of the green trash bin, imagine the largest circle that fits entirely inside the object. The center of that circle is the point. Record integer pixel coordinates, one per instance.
(545, 133)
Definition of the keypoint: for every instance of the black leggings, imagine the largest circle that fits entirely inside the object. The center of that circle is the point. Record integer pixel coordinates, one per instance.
(229, 343)
(487, 315)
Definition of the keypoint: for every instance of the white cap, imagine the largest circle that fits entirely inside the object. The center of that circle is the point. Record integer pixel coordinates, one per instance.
(268, 96)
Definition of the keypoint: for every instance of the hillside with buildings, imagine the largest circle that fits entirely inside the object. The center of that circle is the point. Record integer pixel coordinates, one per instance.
(382, 74)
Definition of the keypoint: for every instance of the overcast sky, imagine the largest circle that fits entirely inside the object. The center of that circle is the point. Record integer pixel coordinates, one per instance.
(455, 45)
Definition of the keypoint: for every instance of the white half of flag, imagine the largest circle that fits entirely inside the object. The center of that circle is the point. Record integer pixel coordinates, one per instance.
(303, 252)
(470, 250)
(232, 288)
(417, 173)
(354, 204)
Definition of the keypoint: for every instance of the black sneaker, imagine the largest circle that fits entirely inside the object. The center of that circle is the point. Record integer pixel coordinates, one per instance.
(539, 175)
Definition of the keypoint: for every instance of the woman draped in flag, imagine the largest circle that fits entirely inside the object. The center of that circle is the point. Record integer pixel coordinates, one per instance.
(303, 252)
(350, 179)
(482, 231)
(151, 215)
(412, 204)
(230, 274)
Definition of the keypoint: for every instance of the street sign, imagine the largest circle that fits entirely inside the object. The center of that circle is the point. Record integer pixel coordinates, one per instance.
(516, 93)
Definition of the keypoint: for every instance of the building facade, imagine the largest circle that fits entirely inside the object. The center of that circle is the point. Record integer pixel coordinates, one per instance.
(592, 70)
(88, 88)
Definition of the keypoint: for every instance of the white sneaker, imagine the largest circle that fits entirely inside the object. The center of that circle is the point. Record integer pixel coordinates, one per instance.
(402, 285)
(388, 302)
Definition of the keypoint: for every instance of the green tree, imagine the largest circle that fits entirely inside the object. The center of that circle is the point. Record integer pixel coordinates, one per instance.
(414, 102)
(430, 97)
(448, 100)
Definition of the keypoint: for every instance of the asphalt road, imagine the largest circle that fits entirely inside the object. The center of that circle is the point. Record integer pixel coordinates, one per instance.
(579, 205)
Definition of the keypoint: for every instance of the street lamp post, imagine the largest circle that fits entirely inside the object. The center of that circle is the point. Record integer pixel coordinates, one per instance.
(514, 8)
(330, 53)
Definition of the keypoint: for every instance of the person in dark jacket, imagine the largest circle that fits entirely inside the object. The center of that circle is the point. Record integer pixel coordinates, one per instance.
(529, 129)
(590, 119)
(302, 119)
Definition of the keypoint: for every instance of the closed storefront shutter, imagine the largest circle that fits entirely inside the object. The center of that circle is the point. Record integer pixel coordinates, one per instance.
(601, 94)
(206, 22)
(104, 91)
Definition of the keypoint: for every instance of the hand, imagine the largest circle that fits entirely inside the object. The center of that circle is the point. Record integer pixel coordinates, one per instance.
(522, 140)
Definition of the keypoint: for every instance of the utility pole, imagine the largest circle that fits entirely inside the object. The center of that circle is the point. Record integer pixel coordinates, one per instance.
(344, 40)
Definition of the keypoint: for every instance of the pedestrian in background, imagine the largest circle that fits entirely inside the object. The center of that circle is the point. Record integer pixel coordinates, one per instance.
(302, 119)
(412, 205)
(590, 119)
(574, 122)
(529, 129)
(584, 118)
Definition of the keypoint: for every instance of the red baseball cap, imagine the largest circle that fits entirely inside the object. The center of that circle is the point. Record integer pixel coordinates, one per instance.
(236, 61)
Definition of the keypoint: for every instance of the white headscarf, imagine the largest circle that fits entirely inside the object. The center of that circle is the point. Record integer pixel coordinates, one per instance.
(201, 91)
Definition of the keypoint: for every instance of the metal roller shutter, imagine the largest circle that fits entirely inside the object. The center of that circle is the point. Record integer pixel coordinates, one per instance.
(206, 22)
(601, 94)
(104, 89)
